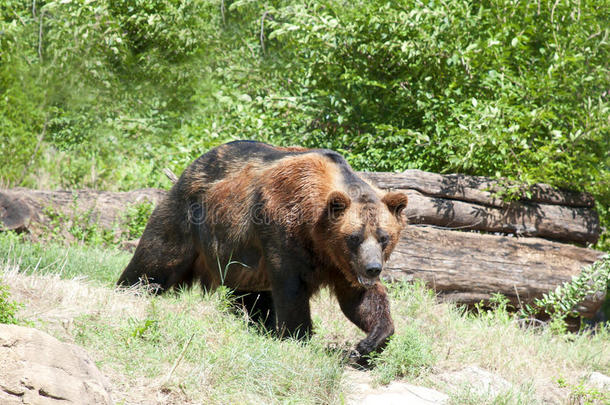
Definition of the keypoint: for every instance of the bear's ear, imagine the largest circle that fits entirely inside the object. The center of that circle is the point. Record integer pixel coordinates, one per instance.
(336, 203)
(396, 202)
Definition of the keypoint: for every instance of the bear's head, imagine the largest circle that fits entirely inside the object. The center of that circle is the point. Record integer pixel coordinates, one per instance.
(362, 229)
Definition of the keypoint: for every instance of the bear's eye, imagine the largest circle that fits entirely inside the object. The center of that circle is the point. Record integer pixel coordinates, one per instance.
(384, 239)
(354, 240)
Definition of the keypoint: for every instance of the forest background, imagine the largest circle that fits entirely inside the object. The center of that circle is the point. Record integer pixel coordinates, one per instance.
(105, 94)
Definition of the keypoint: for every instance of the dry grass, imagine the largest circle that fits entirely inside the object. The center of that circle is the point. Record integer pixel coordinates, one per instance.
(137, 340)
(542, 367)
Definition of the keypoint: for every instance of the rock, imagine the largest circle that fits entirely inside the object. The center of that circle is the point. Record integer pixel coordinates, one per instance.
(36, 368)
(15, 213)
(396, 393)
(478, 380)
(599, 381)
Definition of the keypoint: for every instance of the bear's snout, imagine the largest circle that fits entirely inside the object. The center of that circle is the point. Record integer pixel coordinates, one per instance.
(369, 262)
(373, 269)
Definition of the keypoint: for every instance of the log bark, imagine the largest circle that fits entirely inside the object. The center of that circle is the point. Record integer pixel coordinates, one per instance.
(467, 202)
(475, 189)
(561, 223)
(106, 207)
(469, 267)
(15, 214)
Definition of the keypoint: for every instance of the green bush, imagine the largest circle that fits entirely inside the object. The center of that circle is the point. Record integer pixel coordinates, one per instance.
(456, 85)
(561, 303)
(8, 308)
(115, 90)
(136, 218)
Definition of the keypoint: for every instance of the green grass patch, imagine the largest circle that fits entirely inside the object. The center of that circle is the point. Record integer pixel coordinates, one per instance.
(223, 360)
(409, 353)
(94, 263)
(8, 307)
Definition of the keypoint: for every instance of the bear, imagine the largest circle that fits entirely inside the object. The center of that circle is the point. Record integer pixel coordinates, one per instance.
(276, 224)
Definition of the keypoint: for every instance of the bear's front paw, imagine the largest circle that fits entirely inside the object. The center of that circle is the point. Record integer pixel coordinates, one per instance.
(353, 355)
(359, 361)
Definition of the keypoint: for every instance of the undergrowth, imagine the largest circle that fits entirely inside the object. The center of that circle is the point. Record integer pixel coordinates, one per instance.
(8, 307)
(82, 226)
(563, 301)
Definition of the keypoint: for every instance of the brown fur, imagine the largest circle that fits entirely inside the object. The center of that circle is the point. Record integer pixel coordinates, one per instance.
(278, 223)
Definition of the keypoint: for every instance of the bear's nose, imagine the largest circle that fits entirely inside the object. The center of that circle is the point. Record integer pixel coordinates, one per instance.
(373, 269)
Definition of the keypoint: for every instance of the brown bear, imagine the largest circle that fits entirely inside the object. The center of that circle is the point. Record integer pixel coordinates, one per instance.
(275, 225)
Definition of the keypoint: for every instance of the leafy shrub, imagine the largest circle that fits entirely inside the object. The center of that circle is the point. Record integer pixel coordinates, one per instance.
(136, 218)
(8, 308)
(562, 302)
(77, 226)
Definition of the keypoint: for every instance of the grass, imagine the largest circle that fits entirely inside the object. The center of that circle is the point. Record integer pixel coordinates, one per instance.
(100, 265)
(409, 353)
(188, 348)
(223, 361)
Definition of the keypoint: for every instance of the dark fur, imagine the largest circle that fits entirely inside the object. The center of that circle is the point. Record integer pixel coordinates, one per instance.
(274, 225)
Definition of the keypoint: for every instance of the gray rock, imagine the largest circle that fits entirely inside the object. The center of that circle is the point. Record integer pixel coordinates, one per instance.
(599, 381)
(36, 368)
(396, 393)
(478, 380)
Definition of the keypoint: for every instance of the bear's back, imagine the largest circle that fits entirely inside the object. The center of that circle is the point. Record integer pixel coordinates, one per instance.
(230, 159)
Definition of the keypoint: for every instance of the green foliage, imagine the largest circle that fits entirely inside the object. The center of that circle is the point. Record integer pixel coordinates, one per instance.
(136, 218)
(408, 354)
(116, 90)
(147, 328)
(562, 302)
(8, 308)
(80, 226)
(144, 329)
(496, 311)
(453, 86)
(583, 395)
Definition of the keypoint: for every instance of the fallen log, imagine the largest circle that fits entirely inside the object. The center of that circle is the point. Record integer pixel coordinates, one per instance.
(562, 223)
(477, 189)
(467, 202)
(36, 207)
(468, 267)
